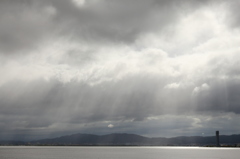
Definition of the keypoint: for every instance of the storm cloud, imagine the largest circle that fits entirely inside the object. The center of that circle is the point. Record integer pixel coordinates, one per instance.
(155, 68)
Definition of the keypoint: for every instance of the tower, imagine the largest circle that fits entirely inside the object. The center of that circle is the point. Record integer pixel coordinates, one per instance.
(217, 139)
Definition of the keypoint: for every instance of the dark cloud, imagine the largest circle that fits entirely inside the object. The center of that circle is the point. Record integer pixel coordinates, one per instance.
(121, 21)
(43, 104)
(222, 96)
(96, 63)
(27, 24)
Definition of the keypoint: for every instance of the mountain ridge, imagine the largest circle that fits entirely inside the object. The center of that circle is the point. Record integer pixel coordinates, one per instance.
(125, 139)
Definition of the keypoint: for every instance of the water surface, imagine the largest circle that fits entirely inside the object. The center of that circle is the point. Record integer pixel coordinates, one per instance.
(35, 152)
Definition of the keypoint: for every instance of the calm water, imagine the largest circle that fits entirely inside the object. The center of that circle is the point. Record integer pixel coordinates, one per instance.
(23, 152)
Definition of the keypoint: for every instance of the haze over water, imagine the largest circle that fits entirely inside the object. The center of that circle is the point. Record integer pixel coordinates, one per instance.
(30, 152)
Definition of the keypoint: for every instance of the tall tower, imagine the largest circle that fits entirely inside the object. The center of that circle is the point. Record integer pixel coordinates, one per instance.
(217, 138)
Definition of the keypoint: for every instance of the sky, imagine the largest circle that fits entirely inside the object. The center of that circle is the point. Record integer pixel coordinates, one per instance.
(157, 68)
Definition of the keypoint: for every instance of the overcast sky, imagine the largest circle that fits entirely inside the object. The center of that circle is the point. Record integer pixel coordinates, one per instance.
(158, 68)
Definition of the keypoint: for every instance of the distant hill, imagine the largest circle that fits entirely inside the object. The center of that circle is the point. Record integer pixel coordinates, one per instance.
(129, 139)
(88, 139)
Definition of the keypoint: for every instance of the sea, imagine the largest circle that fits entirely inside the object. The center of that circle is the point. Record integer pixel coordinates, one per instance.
(72, 152)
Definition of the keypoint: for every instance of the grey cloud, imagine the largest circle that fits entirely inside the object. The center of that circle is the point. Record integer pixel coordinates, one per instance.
(51, 105)
(27, 24)
(222, 96)
(76, 102)
(134, 99)
(24, 26)
(122, 21)
(233, 17)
